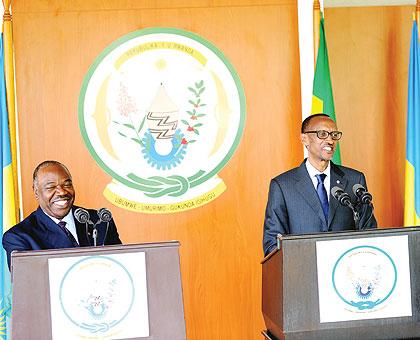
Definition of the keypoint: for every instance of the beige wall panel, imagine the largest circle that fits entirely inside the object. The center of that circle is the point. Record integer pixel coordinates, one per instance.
(56, 42)
(369, 55)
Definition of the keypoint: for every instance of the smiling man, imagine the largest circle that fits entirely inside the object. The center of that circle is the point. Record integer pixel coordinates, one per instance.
(298, 200)
(53, 224)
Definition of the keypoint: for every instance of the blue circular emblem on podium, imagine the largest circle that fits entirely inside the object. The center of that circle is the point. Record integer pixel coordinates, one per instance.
(364, 277)
(96, 294)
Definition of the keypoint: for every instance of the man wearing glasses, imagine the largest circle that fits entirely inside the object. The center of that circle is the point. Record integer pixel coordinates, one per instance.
(299, 200)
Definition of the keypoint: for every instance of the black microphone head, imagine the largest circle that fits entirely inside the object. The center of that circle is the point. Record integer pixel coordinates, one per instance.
(341, 196)
(81, 215)
(344, 198)
(358, 189)
(366, 198)
(104, 215)
(362, 194)
(336, 192)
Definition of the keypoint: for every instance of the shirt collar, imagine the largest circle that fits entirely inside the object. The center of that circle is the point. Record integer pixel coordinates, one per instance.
(68, 218)
(313, 171)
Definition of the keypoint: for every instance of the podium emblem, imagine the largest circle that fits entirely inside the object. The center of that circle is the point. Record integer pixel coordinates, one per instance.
(105, 294)
(364, 277)
(162, 111)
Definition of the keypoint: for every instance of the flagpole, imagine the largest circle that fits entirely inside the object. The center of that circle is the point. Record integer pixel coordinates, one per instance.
(317, 18)
(10, 94)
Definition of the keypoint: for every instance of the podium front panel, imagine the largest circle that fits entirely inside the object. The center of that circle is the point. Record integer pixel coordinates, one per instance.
(31, 315)
(298, 305)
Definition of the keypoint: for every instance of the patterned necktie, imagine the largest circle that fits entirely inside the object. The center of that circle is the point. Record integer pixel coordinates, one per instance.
(62, 225)
(322, 194)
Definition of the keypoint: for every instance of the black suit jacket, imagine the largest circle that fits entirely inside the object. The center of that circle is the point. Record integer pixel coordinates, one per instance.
(293, 205)
(38, 231)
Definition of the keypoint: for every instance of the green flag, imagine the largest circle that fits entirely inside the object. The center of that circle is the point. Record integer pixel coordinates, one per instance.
(322, 96)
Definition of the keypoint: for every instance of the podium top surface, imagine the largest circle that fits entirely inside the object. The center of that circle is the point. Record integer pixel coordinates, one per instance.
(351, 233)
(93, 250)
(342, 235)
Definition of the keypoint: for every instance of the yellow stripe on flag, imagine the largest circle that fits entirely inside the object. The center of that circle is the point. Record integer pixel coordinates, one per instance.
(410, 216)
(9, 205)
(317, 105)
(9, 73)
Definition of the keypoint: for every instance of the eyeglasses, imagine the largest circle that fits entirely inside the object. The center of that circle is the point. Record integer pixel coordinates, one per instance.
(322, 134)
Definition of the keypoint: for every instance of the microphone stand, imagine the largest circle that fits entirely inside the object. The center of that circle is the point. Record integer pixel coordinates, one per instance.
(369, 205)
(95, 232)
(106, 232)
(356, 215)
(344, 199)
(95, 235)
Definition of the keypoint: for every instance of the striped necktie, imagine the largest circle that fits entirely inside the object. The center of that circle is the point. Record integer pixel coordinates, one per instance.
(322, 194)
(62, 225)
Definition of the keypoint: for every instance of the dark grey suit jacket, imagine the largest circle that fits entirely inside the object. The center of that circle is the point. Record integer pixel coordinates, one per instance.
(293, 205)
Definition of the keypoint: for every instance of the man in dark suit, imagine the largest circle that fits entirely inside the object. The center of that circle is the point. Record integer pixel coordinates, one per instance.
(53, 224)
(298, 202)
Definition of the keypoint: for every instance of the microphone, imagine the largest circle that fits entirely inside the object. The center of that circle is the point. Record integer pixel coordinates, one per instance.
(362, 194)
(341, 197)
(344, 198)
(104, 215)
(82, 215)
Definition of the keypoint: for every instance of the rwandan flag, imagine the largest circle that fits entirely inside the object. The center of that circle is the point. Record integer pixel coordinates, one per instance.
(412, 162)
(322, 96)
(7, 203)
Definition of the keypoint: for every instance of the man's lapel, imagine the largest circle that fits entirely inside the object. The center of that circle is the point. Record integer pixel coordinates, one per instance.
(50, 232)
(337, 179)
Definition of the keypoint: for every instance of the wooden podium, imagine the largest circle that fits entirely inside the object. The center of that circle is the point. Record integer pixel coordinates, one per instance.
(290, 292)
(31, 314)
